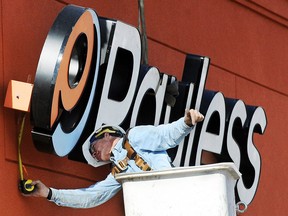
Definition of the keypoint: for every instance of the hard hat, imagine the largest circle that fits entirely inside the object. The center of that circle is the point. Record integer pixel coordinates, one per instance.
(99, 134)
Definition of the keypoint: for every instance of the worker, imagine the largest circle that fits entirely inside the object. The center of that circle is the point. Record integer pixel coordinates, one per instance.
(142, 148)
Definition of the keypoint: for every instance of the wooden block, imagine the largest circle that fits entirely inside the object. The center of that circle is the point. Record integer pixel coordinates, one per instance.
(18, 95)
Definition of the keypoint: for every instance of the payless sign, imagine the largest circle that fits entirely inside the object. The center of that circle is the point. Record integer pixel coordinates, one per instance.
(90, 73)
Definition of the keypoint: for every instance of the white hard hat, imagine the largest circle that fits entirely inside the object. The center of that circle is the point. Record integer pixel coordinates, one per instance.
(98, 134)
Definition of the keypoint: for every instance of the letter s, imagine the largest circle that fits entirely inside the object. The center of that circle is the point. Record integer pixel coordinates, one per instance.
(236, 119)
(257, 124)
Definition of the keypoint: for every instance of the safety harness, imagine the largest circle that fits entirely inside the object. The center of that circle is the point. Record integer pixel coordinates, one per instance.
(121, 165)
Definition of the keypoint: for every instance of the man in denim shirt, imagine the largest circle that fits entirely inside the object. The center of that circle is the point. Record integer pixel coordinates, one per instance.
(146, 151)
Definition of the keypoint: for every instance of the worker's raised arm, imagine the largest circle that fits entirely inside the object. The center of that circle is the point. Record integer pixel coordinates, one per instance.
(192, 117)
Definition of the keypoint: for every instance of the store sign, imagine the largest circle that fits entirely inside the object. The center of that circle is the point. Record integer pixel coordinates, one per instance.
(90, 73)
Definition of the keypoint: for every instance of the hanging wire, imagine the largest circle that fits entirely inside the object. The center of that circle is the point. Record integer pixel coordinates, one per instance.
(142, 29)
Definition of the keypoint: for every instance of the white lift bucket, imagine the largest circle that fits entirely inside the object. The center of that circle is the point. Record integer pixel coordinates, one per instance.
(206, 190)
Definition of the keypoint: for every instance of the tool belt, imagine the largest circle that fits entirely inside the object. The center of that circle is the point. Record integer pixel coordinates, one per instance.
(131, 155)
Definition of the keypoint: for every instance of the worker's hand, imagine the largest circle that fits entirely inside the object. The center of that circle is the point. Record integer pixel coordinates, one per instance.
(192, 117)
(41, 190)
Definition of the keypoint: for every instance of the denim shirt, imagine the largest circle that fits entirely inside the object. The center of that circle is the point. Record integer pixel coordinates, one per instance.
(150, 142)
